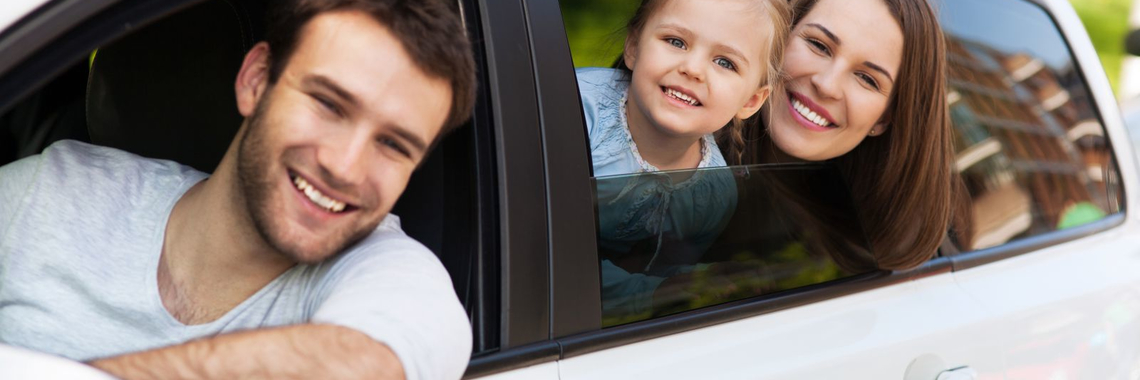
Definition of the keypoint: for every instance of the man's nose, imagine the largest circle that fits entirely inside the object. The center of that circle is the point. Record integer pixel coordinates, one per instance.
(343, 155)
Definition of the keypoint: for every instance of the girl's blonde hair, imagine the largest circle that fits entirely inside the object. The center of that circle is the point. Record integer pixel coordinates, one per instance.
(779, 12)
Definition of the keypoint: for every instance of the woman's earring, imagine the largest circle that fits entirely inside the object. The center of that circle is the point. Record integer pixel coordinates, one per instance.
(874, 131)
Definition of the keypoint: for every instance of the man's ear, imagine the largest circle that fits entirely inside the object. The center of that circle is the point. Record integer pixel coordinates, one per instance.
(252, 79)
(754, 103)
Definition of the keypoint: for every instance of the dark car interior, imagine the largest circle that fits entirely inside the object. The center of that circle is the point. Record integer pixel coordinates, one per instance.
(166, 90)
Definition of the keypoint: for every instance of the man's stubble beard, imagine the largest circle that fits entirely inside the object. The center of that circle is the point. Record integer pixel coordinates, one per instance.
(255, 188)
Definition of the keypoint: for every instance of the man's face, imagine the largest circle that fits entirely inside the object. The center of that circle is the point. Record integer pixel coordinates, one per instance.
(331, 145)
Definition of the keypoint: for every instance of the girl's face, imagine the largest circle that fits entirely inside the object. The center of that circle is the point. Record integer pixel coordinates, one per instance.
(696, 65)
(841, 63)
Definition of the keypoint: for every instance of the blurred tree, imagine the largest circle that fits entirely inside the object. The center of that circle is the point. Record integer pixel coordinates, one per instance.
(596, 29)
(1107, 24)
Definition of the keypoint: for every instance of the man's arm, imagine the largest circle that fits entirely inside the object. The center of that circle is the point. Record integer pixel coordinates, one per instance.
(307, 351)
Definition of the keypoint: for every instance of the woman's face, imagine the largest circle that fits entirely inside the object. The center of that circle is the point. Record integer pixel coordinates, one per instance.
(841, 63)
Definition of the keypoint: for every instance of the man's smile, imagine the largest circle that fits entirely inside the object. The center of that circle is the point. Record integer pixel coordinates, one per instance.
(319, 198)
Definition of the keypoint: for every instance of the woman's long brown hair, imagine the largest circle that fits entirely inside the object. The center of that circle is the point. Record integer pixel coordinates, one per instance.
(902, 180)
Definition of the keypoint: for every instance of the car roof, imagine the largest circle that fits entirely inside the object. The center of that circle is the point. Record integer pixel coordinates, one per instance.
(13, 10)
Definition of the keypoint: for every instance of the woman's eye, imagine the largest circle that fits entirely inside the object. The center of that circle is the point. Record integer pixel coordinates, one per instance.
(676, 42)
(725, 63)
(817, 45)
(869, 81)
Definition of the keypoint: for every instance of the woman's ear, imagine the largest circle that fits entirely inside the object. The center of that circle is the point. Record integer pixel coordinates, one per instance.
(754, 103)
(252, 79)
(878, 129)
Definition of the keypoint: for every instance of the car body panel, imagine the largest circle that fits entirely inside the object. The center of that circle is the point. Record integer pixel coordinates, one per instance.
(1071, 310)
(874, 334)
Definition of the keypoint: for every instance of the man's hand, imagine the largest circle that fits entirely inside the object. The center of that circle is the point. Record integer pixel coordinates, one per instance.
(306, 351)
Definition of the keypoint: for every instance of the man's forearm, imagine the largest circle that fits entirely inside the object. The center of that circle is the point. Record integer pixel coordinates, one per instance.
(302, 352)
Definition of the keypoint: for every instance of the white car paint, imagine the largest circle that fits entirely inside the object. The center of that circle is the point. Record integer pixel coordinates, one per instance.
(12, 10)
(18, 363)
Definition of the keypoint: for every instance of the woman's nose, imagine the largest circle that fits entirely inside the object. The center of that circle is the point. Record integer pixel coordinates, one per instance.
(826, 83)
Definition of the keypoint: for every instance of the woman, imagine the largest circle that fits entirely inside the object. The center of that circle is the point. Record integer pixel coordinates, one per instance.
(865, 87)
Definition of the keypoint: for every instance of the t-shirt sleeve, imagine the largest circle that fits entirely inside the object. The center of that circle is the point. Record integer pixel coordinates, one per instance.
(15, 181)
(396, 291)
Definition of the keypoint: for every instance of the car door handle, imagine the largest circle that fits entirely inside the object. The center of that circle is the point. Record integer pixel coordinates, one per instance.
(960, 373)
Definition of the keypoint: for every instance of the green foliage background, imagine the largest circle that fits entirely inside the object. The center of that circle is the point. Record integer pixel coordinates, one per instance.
(1107, 24)
(596, 29)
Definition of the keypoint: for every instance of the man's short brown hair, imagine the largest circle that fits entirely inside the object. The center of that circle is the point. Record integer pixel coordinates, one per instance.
(430, 31)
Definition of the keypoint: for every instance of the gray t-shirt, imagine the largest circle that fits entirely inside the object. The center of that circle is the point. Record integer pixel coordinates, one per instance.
(81, 232)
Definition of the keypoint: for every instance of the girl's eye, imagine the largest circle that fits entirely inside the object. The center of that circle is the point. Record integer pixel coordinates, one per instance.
(725, 63)
(869, 81)
(817, 46)
(676, 42)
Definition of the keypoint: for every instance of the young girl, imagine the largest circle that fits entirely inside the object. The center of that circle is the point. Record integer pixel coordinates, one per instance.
(691, 70)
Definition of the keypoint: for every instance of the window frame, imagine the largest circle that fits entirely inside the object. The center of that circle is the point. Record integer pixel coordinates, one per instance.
(47, 41)
(969, 259)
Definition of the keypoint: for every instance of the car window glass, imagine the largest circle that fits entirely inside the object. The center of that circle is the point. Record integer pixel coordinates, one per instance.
(680, 240)
(673, 241)
(1031, 148)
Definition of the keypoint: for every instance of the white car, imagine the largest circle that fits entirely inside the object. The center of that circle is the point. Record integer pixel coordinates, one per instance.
(1048, 287)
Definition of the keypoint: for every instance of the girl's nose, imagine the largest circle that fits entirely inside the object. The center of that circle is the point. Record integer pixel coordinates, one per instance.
(693, 67)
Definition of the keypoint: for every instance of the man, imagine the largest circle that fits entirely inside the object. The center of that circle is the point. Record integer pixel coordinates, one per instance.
(284, 263)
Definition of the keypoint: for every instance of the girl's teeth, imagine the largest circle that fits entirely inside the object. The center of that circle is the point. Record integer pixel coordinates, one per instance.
(678, 95)
(807, 113)
(316, 197)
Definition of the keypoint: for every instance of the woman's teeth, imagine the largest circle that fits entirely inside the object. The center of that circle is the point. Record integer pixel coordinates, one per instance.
(682, 97)
(316, 197)
(807, 113)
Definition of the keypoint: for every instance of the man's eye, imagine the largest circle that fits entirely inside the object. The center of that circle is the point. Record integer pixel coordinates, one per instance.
(328, 105)
(676, 42)
(725, 63)
(868, 80)
(394, 145)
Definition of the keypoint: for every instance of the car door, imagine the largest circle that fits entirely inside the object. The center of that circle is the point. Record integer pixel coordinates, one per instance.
(983, 322)
(1058, 262)
(870, 325)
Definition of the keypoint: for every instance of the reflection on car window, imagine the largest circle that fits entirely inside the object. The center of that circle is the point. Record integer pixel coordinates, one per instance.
(1032, 150)
(774, 228)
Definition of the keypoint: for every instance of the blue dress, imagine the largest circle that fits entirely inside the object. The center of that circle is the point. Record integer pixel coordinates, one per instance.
(636, 202)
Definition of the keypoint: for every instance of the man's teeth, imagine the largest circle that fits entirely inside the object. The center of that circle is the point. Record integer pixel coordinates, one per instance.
(316, 196)
(807, 113)
(682, 97)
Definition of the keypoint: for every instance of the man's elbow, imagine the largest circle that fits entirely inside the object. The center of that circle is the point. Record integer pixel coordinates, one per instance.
(350, 354)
